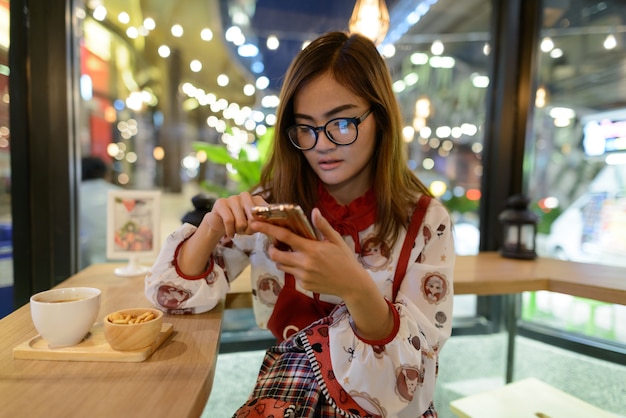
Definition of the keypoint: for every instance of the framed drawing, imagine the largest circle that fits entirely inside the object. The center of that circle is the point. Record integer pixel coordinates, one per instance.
(133, 220)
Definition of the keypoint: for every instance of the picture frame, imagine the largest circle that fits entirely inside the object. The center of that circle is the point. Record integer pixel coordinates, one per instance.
(133, 228)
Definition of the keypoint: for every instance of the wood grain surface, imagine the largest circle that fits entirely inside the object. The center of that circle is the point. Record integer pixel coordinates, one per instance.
(94, 347)
(175, 381)
(489, 273)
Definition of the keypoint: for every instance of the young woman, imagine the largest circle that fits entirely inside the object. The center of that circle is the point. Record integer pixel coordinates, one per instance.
(361, 314)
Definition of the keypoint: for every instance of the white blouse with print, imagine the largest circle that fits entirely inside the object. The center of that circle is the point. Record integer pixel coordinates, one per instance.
(398, 383)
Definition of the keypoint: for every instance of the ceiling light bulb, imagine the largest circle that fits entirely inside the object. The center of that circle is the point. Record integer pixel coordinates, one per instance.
(206, 34)
(437, 48)
(123, 17)
(411, 78)
(546, 44)
(556, 53)
(149, 23)
(272, 42)
(249, 90)
(233, 33)
(422, 107)
(177, 30)
(541, 97)
(419, 58)
(262, 83)
(562, 113)
(222, 80)
(370, 18)
(480, 81)
(195, 66)
(486, 49)
(610, 42)
(132, 32)
(248, 50)
(164, 51)
(100, 13)
(389, 50)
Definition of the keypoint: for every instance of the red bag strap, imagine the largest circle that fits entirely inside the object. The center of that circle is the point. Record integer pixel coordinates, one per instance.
(409, 241)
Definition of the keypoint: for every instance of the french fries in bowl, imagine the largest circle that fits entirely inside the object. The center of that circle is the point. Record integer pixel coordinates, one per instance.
(132, 329)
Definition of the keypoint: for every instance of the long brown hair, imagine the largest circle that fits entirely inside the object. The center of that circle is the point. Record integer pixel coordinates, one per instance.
(354, 62)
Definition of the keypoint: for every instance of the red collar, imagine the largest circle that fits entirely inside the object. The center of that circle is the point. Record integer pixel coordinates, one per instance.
(348, 219)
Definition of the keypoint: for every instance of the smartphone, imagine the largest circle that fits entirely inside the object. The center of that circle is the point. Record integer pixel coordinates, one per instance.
(286, 215)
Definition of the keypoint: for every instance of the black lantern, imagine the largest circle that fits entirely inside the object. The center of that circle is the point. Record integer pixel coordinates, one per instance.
(519, 228)
(202, 204)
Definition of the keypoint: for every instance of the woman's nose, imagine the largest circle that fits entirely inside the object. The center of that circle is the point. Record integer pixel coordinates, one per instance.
(324, 142)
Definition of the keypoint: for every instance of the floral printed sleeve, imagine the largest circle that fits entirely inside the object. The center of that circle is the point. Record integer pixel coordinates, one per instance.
(400, 371)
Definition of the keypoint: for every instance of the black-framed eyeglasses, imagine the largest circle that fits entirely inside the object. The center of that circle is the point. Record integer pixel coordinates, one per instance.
(340, 131)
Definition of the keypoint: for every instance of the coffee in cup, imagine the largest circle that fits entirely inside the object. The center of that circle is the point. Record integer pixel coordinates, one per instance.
(64, 316)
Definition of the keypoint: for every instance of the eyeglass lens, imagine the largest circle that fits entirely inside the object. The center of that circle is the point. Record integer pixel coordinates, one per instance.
(340, 131)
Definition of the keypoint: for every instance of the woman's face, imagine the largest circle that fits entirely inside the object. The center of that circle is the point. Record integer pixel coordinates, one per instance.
(345, 170)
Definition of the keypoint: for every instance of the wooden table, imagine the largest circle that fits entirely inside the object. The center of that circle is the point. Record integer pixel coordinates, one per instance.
(488, 273)
(174, 382)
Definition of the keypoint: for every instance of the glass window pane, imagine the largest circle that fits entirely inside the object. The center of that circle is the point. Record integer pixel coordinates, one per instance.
(578, 174)
(441, 77)
(577, 170)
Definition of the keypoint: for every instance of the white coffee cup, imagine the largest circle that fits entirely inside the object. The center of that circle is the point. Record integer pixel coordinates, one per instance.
(64, 316)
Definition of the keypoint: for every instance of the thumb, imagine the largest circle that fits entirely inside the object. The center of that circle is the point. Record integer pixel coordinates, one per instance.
(322, 225)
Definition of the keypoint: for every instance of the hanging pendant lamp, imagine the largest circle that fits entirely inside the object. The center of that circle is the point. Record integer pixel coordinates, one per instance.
(370, 18)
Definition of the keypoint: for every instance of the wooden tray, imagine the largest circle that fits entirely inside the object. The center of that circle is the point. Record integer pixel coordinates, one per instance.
(93, 348)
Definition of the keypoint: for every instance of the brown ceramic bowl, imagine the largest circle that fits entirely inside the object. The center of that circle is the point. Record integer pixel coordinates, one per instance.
(132, 336)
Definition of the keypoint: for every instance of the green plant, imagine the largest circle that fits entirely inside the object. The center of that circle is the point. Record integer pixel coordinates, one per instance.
(461, 204)
(244, 170)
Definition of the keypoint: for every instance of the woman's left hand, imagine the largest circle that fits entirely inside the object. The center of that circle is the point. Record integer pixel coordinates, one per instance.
(328, 266)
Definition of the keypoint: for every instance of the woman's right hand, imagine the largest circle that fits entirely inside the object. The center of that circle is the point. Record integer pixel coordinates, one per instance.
(231, 215)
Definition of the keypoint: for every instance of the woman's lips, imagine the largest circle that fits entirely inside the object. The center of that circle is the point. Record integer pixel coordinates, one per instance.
(329, 164)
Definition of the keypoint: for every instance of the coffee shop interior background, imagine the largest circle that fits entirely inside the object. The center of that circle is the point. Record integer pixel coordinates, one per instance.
(498, 97)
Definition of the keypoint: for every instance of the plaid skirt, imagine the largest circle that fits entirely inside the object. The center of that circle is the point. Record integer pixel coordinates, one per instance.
(287, 387)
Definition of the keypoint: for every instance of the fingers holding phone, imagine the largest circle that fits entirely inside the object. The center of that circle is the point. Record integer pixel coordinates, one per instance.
(231, 215)
(288, 216)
